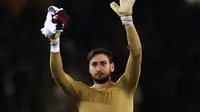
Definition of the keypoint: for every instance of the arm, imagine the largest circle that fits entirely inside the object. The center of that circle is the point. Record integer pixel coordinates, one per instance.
(133, 67)
(56, 22)
(68, 85)
(129, 79)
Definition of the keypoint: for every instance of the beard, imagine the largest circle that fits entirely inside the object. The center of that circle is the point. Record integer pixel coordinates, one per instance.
(102, 80)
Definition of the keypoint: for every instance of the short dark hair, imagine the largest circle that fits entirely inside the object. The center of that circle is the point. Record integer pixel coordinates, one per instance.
(104, 51)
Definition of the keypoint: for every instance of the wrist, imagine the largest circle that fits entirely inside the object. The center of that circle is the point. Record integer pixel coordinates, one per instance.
(55, 45)
(129, 25)
(54, 40)
(126, 20)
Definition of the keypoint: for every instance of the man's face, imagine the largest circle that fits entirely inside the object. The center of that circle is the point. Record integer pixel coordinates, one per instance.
(100, 68)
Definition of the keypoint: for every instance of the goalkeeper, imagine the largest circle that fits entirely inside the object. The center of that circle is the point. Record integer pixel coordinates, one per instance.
(104, 95)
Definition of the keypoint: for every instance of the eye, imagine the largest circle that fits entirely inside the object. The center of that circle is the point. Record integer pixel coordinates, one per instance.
(103, 63)
(94, 64)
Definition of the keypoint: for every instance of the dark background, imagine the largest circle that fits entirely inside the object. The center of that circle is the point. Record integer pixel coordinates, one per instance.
(170, 37)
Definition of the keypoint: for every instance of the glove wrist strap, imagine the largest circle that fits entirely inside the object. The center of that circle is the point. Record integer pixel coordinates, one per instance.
(55, 45)
(126, 20)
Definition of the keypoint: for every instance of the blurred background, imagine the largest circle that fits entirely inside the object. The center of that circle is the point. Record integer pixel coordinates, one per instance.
(170, 37)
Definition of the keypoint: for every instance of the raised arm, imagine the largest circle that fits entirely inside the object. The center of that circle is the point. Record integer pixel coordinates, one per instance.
(56, 22)
(129, 80)
(133, 67)
(68, 85)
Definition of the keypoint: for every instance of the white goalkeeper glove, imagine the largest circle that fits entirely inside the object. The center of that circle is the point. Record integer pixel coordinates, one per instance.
(124, 10)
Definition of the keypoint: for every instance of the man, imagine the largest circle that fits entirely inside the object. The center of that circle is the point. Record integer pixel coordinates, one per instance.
(104, 95)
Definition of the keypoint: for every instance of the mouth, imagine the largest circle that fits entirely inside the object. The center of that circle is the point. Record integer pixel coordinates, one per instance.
(99, 74)
(101, 78)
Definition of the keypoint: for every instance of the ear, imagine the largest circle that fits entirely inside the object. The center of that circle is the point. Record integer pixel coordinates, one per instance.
(112, 67)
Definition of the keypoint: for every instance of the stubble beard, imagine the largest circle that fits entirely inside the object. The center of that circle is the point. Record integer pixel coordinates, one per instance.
(102, 80)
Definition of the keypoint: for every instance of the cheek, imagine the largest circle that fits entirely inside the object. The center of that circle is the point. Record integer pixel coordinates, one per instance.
(90, 68)
(108, 69)
(92, 71)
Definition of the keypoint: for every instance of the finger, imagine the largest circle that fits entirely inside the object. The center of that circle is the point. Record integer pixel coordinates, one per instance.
(114, 6)
(130, 2)
(121, 2)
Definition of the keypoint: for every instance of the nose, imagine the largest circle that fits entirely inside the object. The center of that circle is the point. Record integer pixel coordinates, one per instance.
(98, 68)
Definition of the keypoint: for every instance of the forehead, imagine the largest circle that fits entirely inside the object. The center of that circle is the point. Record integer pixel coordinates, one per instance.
(99, 57)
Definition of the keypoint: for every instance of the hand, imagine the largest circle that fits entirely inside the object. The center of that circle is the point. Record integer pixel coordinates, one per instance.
(56, 21)
(125, 7)
(54, 36)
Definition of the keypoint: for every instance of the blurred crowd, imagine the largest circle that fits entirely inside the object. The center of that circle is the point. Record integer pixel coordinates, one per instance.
(170, 37)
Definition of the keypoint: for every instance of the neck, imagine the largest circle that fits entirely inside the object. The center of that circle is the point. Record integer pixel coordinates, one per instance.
(105, 85)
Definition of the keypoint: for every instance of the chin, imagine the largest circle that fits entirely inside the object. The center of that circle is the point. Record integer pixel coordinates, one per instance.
(101, 80)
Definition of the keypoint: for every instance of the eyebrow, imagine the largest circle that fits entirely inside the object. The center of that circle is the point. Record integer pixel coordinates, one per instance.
(99, 61)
